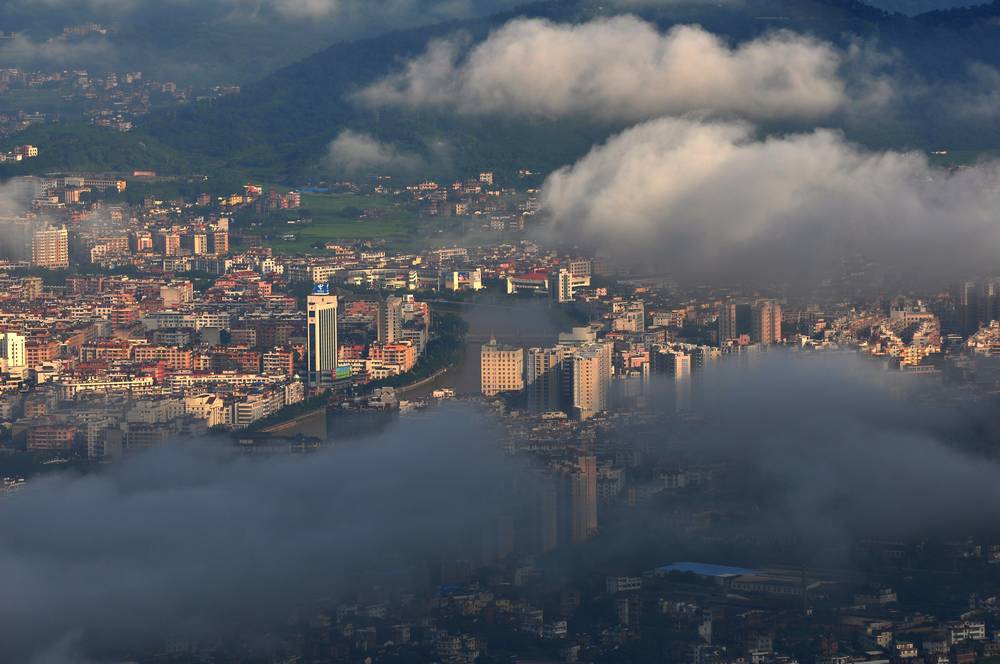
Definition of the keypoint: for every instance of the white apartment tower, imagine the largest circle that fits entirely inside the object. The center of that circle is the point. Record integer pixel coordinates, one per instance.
(50, 248)
(13, 349)
(502, 369)
(322, 336)
(390, 320)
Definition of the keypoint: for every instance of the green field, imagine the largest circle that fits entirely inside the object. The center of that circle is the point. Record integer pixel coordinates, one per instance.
(46, 100)
(335, 217)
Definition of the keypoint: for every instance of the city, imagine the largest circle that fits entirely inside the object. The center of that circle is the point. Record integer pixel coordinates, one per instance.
(559, 332)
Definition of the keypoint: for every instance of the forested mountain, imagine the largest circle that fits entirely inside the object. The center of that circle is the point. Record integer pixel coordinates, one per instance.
(203, 43)
(281, 126)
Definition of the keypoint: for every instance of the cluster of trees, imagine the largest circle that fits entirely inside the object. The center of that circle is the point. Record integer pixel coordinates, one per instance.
(81, 147)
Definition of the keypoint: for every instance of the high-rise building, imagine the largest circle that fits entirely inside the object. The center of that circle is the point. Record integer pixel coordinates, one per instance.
(50, 248)
(676, 364)
(977, 304)
(585, 499)
(561, 286)
(501, 368)
(543, 382)
(671, 362)
(564, 282)
(218, 240)
(703, 357)
(577, 500)
(322, 336)
(401, 355)
(988, 300)
(390, 320)
(197, 243)
(734, 321)
(765, 322)
(586, 379)
(967, 307)
(141, 241)
(168, 243)
(580, 267)
(546, 514)
(13, 348)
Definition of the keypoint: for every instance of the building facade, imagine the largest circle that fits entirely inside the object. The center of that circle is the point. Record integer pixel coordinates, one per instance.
(322, 337)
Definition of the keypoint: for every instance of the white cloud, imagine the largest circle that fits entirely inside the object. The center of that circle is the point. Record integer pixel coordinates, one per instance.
(620, 68)
(702, 198)
(15, 196)
(357, 154)
(26, 52)
(976, 98)
(192, 540)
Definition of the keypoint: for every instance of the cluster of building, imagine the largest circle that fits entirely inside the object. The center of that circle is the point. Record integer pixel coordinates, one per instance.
(479, 198)
(573, 376)
(509, 602)
(19, 153)
(371, 340)
(113, 99)
(213, 330)
(576, 376)
(70, 222)
(106, 364)
(603, 472)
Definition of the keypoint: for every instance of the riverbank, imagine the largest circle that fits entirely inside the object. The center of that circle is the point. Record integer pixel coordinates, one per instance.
(295, 425)
(424, 381)
(284, 425)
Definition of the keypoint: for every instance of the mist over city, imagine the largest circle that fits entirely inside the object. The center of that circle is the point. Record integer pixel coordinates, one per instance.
(499, 332)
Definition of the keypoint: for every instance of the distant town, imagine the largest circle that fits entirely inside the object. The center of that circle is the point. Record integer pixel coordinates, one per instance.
(112, 100)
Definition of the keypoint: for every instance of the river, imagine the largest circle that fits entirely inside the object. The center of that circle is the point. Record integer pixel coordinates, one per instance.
(517, 322)
(514, 321)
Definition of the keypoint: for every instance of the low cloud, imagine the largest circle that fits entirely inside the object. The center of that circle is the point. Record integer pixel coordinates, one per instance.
(355, 154)
(618, 69)
(23, 51)
(16, 195)
(699, 198)
(974, 98)
(191, 540)
(823, 450)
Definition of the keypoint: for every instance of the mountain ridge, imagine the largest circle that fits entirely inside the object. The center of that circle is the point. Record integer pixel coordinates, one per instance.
(280, 126)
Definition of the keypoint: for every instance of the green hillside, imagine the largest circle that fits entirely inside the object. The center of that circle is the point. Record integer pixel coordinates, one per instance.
(82, 147)
(279, 128)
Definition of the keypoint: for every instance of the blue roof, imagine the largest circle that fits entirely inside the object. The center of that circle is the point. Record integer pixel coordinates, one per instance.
(704, 569)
